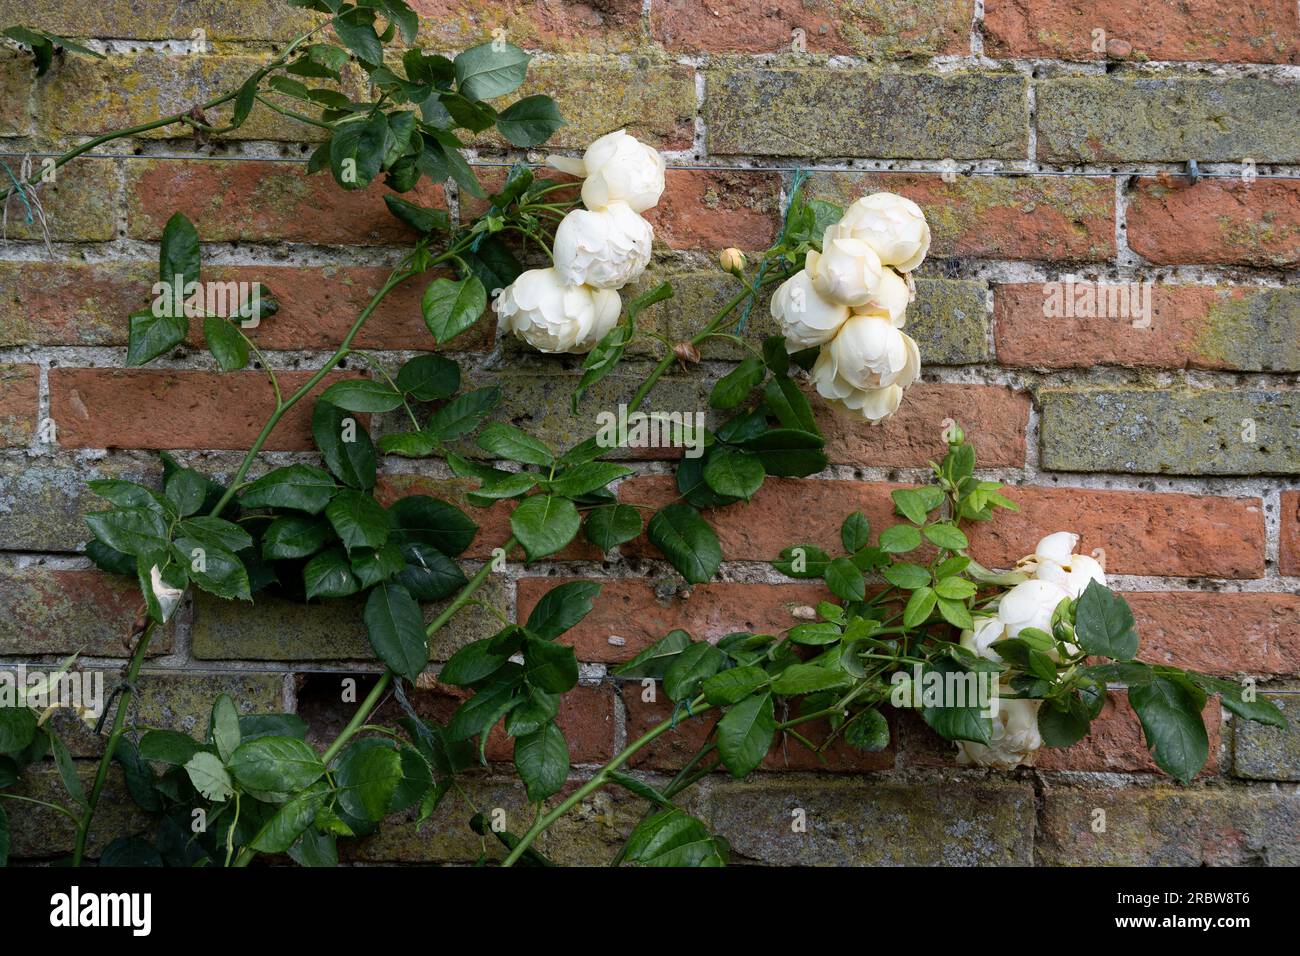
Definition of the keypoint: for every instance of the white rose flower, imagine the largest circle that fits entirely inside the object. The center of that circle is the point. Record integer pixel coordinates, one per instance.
(868, 352)
(1015, 739)
(987, 630)
(1030, 604)
(1057, 547)
(892, 225)
(847, 270)
(892, 297)
(605, 249)
(1054, 560)
(617, 168)
(805, 317)
(553, 316)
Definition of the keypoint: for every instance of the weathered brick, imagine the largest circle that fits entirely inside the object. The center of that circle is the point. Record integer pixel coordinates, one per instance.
(571, 26)
(15, 95)
(277, 629)
(253, 201)
(1156, 533)
(1216, 221)
(880, 28)
(137, 408)
(995, 418)
(1141, 532)
(93, 96)
(19, 394)
(642, 611)
(654, 101)
(88, 304)
(80, 205)
(1091, 119)
(1242, 328)
(58, 611)
(1220, 632)
(1289, 543)
(1200, 30)
(1209, 431)
(1164, 826)
(1059, 218)
(711, 210)
(672, 749)
(37, 832)
(165, 19)
(42, 500)
(887, 115)
(1260, 752)
(878, 821)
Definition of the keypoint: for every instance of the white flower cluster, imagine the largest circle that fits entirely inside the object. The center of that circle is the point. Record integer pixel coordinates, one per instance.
(598, 250)
(1055, 573)
(851, 301)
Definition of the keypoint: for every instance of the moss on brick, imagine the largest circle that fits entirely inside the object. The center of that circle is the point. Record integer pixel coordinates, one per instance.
(1256, 332)
(40, 833)
(163, 19)
(1260, 752)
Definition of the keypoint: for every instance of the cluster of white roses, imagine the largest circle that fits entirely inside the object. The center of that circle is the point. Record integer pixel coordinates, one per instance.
(598, 250)
(1055, 573)
(851, 300)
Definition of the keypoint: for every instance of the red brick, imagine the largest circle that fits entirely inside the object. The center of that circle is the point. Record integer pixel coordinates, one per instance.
(138, 408)
(642, 611)
(19, 397)
(1289, 546)
(765, 26)
(713, 210)
(1216, 221)
(1204, 30)
(87, 304)
(1181, 333)
(672, 749)
(1142, 532)
(1151, 533)
(254, 201)
(994, 417)
(1220, 632)
(1061, 218)
(62, 611)
(612, 26)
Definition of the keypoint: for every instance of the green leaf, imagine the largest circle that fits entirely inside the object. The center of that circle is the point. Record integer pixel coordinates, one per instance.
(428, 378)
(867, 731)
(946, 535)
(290, 821)
(139, 532)
(673, 839)
(212, 567)
(490, 70)
(689, 669)
(226, 343)
(785, 400)
(169, 747)
(789, 452)
(734, 684)
(544, 524)
(550, 667)
(358, 519)
(345, 445)
(953, 722)
(734, 473)
(472, 663)
(919, 607)
(363, 395)
(17, 728)
(687, 540)
(329, 574)
(294, 536)
(216, 531)
(1060, 728)
(276, 764)
(1171, 723)
(955, 613)
(396, 629)
(151, 335)
(450, 307)
(734, 387)
(408, 444)
(815, 633)
(807, 679)
(301, 487)
(855, 532)
(1232, 695)
(561, 608)
(378, 564)
(355, 27)
(803, 561)
(530, 121)
(954, 588)
(503, 440)
(435, 523)
(542, 760)
(655, 659)
(906, 576)
(67, 770)
(224, 727)
(611, 525)
(367, 775)
(899, 539)
(1103, 624)
(180, 254)
(845, 580)
(463, 413)
(745, 734)
(419, 218)
(209, 776)
(492, 701)
(428, 573)
(586, 478)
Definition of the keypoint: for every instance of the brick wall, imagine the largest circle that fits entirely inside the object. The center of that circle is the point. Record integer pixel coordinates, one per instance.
(1174, 444)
